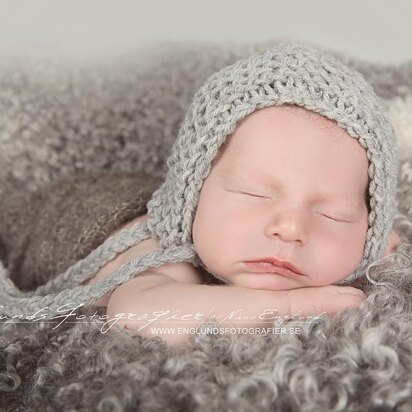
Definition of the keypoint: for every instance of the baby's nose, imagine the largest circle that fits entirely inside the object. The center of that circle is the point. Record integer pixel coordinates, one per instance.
(289, 227)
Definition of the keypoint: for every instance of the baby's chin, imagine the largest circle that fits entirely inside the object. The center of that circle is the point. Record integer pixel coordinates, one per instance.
(264, 281)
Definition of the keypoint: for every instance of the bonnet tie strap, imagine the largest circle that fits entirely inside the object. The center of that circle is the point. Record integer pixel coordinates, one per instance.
(14, 302)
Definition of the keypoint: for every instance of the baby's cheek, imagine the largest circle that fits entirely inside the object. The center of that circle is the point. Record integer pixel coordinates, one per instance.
(331, 259)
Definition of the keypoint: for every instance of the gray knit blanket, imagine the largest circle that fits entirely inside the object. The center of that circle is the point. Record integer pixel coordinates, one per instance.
(82, 148)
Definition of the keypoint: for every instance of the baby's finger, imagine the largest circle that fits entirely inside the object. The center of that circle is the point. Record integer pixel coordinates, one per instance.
(350, 290)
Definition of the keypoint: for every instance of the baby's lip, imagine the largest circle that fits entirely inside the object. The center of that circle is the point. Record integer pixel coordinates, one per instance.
(285, 264)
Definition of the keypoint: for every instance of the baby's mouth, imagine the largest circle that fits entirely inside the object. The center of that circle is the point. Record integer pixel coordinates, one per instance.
(267, 267)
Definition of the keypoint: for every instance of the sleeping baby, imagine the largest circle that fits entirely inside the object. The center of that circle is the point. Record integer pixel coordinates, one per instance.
(281, 218)
(279, 196)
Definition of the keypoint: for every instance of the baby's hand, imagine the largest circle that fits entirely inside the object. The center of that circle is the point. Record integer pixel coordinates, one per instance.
(330, 299)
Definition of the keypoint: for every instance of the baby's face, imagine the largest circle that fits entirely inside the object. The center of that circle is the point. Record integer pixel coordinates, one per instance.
(289, 184)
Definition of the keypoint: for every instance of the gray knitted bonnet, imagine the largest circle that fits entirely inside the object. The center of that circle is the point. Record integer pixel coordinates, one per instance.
(286, 74)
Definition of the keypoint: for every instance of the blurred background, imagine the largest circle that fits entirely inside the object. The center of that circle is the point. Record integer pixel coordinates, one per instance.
(373, 30)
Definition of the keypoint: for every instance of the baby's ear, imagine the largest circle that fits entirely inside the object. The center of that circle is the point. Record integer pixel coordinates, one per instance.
(394, 242)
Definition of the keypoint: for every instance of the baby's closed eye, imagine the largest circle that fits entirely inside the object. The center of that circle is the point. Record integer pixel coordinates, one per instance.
(336, 217)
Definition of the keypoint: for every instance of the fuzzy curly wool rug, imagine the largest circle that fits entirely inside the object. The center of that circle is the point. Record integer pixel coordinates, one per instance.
(60, 118)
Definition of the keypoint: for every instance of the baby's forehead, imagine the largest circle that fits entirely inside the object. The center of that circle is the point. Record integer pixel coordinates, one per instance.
(269, 113)
(286, 110)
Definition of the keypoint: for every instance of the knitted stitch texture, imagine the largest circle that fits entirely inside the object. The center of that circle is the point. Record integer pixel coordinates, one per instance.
(286, 74)
(42, 233)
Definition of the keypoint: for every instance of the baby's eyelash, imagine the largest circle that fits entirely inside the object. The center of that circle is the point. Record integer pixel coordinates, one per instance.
(254, 195)
(335, 219)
